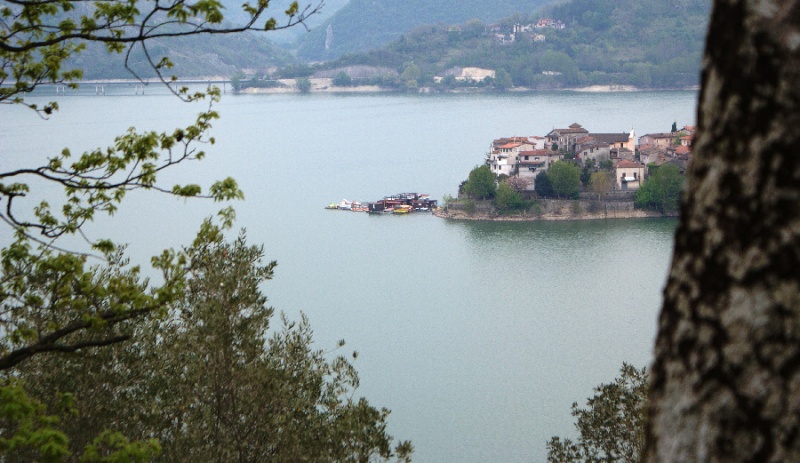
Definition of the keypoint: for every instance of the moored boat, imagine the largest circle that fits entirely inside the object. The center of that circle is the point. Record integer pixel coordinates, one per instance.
(401, 203)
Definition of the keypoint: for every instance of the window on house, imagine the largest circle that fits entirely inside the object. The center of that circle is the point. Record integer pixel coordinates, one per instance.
(634, 175)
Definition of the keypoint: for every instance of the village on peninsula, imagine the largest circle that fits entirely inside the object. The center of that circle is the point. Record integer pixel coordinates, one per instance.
(572, 173)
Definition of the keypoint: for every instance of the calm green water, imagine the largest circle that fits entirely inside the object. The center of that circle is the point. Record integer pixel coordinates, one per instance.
(478, 336)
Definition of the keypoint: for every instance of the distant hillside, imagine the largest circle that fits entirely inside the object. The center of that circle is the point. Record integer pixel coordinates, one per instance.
(201, 56)
(277, 7)
(642, 43)
(208, 55)
(369, 24)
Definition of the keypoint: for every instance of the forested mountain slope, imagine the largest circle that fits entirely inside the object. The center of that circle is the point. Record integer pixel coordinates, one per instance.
(644, 43)
(369, 24)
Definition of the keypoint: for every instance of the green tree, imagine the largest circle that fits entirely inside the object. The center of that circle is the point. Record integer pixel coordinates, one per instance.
(507, 199)
(342, 79)
(611, 427)
(481, 183)
(236, 80)
(303, 84)
(601, 182)
(411, 72)
(214, 382)
(662, 190)
(543, 187)
(502, 79)
(606, 164)
(565, 178)
(586, 172)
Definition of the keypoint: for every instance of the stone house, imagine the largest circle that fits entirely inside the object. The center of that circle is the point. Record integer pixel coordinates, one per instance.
(531, 163)
(566, 139)
(618, 154)
(652, 155)
(629, 174)
(617, 140)
(589, 148)
(661, 140)
(503, 154)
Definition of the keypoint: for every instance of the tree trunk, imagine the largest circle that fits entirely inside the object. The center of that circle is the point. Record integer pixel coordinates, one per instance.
(726, 378)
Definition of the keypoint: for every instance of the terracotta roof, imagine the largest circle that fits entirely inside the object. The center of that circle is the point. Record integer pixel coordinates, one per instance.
(658, 135)
(538, 153)
(625, 163)
(621, 137)
(510, 145)
(574, 128)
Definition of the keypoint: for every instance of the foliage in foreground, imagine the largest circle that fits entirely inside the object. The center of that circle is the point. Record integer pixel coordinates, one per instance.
(210, 381)
(611, 427)
(98, 364)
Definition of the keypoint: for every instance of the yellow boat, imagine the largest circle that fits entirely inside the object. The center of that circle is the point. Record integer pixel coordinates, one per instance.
(402, 209)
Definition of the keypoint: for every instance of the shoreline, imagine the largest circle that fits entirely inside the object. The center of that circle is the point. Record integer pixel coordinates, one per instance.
(546, 217)
(553, 210)
(325, 85)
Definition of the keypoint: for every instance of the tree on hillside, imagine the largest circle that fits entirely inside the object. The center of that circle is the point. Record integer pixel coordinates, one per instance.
(565, 178)
(214, 382)
(502, 79)
(725, 377)
(611, 427)
(342, 79)
(481, 183)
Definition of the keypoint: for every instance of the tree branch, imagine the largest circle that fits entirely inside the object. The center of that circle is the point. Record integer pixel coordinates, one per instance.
(48, 343)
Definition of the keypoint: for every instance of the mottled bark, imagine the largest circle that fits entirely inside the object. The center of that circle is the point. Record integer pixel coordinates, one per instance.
(726, 378)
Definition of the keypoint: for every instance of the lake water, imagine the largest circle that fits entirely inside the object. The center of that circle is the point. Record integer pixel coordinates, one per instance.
(478, 336)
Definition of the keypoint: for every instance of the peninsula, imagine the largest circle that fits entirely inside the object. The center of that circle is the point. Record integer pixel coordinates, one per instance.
(574, 174)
